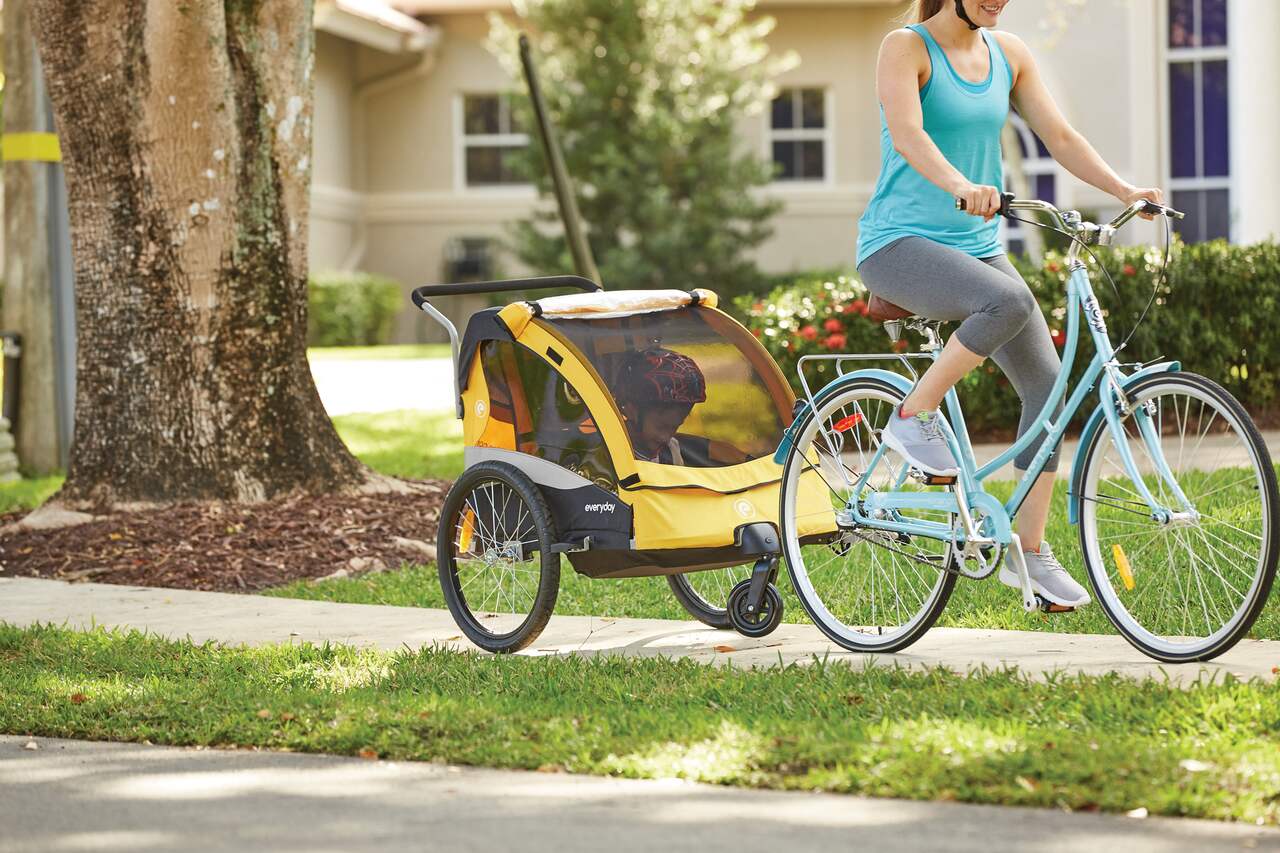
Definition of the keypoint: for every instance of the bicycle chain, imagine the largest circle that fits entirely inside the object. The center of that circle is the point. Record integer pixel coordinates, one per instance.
(913, 557)
(923, 560)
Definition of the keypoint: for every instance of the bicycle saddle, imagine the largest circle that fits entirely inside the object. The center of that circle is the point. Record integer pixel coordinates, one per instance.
(879, 310)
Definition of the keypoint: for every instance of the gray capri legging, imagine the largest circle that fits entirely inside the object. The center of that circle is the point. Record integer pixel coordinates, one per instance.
(998, 316)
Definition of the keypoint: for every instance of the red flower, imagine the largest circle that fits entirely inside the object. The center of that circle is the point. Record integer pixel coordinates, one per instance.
(1053, 266)
(860, 306)
(834, 342)
(757, 333)
(1130, 270)
(809, 333)
(1059, 337)
(833, 325)
(899, 346)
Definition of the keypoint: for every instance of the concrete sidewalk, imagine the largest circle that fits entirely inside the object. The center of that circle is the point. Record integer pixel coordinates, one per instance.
(71, 795)
(258, 620)
(384, 385)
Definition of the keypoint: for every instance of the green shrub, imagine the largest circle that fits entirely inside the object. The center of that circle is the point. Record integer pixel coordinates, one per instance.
(1216, 314)
(351, 309)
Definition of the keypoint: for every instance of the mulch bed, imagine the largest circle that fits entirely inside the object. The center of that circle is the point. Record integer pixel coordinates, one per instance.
(232, 547)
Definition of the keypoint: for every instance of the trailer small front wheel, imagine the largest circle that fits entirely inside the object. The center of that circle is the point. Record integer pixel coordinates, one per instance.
(498, 571)
(703, 594)
(759, 622)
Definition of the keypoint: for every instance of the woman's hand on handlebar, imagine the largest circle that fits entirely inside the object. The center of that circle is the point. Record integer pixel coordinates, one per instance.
(978, 199)
(1153, 194)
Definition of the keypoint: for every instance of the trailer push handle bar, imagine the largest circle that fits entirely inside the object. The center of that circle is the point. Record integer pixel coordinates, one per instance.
(422, 295)
(577, 282)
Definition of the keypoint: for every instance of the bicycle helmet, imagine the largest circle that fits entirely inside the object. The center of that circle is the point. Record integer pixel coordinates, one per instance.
(658, 375)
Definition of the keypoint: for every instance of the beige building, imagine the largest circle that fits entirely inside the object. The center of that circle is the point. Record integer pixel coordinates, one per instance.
(411, 125)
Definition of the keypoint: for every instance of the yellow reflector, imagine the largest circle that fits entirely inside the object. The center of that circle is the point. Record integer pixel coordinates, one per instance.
(468, 530)
(1122, 566)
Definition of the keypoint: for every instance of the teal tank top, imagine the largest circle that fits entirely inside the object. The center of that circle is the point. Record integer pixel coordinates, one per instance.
(964, 120)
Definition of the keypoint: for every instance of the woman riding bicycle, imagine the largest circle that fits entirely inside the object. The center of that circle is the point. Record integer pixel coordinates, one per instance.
(945, 86)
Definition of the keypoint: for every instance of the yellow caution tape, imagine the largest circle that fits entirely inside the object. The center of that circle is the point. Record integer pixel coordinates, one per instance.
(40, 147)
(1122, 566)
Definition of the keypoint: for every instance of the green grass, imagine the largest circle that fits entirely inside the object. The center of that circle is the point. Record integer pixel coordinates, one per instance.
(394, 351)
(405, 443)
(975, 604)
(27, 494)
(1081, 742)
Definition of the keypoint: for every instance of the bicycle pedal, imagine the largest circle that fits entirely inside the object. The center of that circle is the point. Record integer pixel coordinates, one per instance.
(931, 479)
(1047, 606)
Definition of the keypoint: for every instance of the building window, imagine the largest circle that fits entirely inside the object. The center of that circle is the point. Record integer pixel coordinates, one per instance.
(1042, 181)
(1199, 118)
(492, 141)
(800, 135)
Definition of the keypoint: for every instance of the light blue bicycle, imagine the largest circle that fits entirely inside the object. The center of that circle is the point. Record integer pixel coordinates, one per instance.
(1172, 489)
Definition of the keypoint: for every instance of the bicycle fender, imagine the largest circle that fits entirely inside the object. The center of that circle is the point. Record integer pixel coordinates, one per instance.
(1093, 425)
(897, 380)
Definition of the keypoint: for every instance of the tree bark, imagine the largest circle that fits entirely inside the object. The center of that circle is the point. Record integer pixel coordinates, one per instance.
(186, 137)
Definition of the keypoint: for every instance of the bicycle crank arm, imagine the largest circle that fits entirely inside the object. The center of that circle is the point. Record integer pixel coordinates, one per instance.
(1029, 598)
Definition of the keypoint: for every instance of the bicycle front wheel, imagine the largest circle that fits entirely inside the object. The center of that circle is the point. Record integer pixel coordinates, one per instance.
(867, 590)
(1187, 588)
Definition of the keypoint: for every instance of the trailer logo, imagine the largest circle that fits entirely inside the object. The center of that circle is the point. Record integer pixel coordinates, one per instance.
(608, 507)
(480, 408)
(745, 508)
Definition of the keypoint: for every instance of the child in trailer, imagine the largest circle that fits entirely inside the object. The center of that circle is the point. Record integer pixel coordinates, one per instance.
(656, 390)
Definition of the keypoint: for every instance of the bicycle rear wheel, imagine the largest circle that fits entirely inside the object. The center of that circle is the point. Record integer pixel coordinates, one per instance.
(1188, 589)
(867, 590)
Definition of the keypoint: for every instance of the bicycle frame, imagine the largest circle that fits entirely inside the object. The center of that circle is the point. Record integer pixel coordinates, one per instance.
(879, 509)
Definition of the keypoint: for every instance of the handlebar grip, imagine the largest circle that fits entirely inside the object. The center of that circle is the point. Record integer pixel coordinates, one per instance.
(1160, 210)
(1005, 200)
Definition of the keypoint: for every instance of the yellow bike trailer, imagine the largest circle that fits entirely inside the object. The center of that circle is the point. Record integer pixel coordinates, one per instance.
(560, 458)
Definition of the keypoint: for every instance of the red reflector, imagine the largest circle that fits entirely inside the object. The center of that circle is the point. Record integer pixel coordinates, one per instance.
(845, 424)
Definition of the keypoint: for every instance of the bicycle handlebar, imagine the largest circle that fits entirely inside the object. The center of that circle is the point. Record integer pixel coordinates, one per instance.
(1008, 204)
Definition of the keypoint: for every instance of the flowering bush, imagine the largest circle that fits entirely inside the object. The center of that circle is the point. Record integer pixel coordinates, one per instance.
(1216, 314)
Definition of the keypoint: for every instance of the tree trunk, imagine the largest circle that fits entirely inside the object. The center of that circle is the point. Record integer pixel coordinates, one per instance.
(186, 136)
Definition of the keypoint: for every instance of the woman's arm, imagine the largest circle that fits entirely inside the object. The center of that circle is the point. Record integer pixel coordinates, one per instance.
(1038, 109)
(903, 59)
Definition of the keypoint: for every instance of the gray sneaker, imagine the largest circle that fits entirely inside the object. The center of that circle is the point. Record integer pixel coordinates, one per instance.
(919, 440)
(1048, 578)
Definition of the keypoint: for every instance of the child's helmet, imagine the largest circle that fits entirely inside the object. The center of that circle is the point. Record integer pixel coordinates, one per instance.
(658, 375)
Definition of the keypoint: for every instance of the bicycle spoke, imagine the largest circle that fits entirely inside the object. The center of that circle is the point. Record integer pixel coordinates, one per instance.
(1195, 592)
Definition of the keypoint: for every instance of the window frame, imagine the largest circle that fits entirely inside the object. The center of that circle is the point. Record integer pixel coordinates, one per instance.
(463, 140)
(1034, 166)
(1198, 55)
(824, 134)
